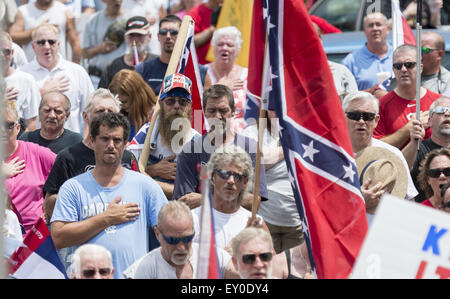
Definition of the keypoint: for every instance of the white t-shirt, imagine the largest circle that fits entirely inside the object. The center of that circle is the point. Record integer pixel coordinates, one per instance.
(32, 17)
(154, 266)
(28, 100)
(226, 226)
(80, 86)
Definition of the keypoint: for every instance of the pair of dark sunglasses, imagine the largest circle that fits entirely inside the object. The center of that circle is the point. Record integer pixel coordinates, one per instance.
(42, 42)
(171, 102)
(176, 240)
(9, 125)
(436, 172)
(171, 31)
(250, 259)
(408, 65)
(6, 52)
(356, 115)
(446, 204)
(224, 174)
(91, 272)
(426, 50)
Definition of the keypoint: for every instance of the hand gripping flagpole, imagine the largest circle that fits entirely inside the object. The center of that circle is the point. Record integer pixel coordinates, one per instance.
(263, 107)
(171, 68)
(419, 58)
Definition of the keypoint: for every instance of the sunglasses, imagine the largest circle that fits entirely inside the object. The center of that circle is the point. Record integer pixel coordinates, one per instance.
(176, 240)
(171, 102)
(356, 115)
(441, 109)
(250, 259)
(171, 31)
(9, 125)
(6, 52)
(42, 42)
(408, 65)
(91, 272)
(426, 50)
(226, 175)
(446, 204)
(435, 173)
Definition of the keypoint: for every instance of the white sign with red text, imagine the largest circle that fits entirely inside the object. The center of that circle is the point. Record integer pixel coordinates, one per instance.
(405, 240)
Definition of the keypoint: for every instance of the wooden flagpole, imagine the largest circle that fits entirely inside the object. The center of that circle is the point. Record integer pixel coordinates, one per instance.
(171, 68)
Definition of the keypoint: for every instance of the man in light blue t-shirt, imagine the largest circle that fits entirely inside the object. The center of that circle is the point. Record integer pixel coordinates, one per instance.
(108, 205)
(372, 64)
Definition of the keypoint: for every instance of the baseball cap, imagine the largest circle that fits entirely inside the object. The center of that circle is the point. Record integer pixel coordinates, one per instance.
(138, 25)
(176, 85)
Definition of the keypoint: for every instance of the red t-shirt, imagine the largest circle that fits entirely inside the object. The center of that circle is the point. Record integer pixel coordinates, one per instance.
(395, 112)
(201, 14)
(427, 203)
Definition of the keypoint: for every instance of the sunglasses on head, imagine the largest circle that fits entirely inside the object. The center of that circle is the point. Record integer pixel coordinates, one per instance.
(176, 240)
(6, 52)
(171, 102)
(426, 50)
(91, 272)
(250, 259)
(436, 172)
(441, 109)
(171, 31)
(224, 174)
(356, 115)
(408, 65)
(42, 42)
(9, 125)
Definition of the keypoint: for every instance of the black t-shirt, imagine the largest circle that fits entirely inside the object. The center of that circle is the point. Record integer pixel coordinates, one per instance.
(75, 160)
(153, 72)
(67, 138)
(425, 147)
(116, 66)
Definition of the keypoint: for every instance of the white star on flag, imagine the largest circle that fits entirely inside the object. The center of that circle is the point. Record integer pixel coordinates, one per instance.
(349, 173)
(310, 151)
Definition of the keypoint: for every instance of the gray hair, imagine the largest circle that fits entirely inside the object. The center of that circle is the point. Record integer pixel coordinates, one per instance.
(248, 234)
(375, 13)
(231, 155)
(101, 93)
(434, 104)
(87, 249)
(404, 48)
(363, 95)
(228, 31)
(176, 209)
(67, 104)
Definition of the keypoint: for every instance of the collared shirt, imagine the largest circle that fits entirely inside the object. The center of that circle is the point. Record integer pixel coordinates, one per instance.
(364, 65)
(80, 86)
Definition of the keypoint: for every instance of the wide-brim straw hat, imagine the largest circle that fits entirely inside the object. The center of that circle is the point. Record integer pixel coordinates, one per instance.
(382, 165)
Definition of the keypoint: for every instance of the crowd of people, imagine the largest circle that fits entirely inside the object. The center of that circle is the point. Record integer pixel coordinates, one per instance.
(83, 81)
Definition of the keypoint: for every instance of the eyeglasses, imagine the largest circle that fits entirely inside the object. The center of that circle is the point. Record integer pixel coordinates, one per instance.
(426, 50)
(441, 109)
(250, 259)
(42, 42)
(446, 204)
(9, 125)
(435, 173)
(176, 240)
(226, 175)
(171, 31)
(6, 52)
(91, 272)
(171, 102)
(408, 65)
(356, 115)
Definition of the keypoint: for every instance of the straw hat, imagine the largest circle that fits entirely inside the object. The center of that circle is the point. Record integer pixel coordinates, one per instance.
(382, 165)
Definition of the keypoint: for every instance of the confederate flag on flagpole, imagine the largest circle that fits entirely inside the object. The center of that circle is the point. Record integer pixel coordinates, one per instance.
(315, 139)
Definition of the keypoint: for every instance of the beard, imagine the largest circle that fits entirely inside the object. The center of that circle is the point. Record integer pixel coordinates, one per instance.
(180, 260)
(174, 128)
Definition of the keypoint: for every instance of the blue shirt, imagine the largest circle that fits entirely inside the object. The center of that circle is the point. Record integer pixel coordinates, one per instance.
(82, 197)
(364, 65)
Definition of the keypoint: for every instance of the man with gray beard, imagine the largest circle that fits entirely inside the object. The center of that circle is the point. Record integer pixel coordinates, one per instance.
(172, 130)
(137, 31)
(439, 121)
